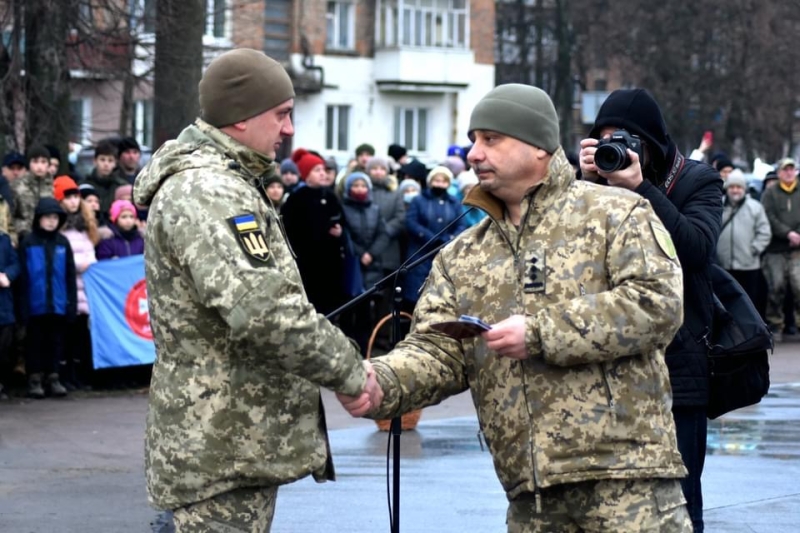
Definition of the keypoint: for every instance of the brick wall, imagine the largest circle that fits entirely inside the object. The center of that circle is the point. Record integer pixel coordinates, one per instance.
(247, 23)
(482, 30)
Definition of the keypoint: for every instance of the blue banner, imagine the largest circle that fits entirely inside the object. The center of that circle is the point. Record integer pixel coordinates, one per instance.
(119, 318)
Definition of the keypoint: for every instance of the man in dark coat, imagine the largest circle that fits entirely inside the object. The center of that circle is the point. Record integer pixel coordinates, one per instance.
(687, 197)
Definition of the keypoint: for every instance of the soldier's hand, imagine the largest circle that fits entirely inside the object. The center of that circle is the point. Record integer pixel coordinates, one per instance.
(369, 399)
(507, 337)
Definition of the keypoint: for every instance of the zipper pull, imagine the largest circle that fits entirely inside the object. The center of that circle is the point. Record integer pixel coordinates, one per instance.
(537, 496)
(582, 289)
(480, 440)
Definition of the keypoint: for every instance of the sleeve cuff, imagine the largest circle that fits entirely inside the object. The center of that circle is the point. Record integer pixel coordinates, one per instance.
(533, 340)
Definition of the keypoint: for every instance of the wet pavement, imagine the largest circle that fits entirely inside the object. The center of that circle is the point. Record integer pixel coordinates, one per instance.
(76, 466)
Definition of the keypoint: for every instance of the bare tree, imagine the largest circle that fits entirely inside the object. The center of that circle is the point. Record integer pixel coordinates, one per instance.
(178, 65)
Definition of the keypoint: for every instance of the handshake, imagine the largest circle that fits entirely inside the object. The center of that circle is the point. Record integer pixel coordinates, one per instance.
(369, 399)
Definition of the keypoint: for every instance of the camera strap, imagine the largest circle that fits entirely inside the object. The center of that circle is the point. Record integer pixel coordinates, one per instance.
(674, 172)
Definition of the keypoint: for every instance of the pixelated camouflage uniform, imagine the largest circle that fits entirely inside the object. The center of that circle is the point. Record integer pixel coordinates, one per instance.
(28, 189)
(602, 300)
(234, 397)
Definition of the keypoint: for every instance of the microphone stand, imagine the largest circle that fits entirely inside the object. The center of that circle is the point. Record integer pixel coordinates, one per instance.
(396, 277)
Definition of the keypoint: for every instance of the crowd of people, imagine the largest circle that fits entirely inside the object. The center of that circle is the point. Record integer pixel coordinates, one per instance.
(53, 227)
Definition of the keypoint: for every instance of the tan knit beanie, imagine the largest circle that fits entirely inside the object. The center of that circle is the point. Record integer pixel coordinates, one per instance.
(240, 84)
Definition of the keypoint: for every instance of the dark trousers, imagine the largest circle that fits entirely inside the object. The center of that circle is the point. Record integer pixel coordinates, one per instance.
(691, 426)
(7, 356)
(45, 344)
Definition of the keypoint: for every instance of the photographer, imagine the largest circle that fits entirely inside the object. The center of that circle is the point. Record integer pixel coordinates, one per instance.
(687, 197)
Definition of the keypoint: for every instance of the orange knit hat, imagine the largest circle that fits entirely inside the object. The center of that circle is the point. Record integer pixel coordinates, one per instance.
(64, 185)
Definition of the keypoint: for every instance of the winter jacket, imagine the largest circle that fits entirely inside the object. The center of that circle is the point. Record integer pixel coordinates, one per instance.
(367, 231)
(234, 398)
(9, 265)
(602, 299)
(84, 254)
(120, 245)
(691, 211)
(426, 216)
(783, 212)
(48, 271)
(745, 235)
(28, 190)
(393, 212)
(106, 187)
(308, 215)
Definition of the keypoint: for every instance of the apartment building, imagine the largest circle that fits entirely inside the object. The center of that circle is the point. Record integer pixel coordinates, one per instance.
(377, 71)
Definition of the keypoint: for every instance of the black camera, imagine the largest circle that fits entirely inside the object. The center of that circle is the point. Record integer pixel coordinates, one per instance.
(612, 153)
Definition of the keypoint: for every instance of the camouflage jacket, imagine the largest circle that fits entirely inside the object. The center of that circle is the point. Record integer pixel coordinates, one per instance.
(234, 397)
(596, 275)
(28, 189)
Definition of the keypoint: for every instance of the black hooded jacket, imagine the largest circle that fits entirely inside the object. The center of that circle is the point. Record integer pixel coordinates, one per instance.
(687, 197)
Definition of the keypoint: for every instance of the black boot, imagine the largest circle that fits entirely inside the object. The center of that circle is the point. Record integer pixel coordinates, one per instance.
(35, 389)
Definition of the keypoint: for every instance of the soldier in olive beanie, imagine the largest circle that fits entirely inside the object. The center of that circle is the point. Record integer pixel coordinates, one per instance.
(520, 111)
(240, 84)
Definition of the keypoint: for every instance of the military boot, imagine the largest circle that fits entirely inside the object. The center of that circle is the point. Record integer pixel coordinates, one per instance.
(56, 388)
(35, 389)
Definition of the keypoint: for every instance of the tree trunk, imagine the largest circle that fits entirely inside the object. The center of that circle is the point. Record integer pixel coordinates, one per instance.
(47, 117)
(178, 66)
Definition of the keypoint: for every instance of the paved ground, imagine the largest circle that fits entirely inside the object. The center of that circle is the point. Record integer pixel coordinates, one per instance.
(76, 466)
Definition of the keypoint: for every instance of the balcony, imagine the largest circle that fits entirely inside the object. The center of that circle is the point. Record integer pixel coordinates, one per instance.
(423, 69)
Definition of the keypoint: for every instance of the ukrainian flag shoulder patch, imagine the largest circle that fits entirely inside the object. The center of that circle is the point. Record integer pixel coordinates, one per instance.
(250, 238)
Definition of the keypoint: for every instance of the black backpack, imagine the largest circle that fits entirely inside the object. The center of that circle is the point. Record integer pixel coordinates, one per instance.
(738, 348)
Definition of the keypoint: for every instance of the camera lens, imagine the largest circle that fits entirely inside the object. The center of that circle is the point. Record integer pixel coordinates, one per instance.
(611, 157)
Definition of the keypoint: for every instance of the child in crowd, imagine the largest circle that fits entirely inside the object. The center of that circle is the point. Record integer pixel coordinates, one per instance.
(290, 175)
(80, 229)
(103, 178)
(36, 183)
(49, 300)
(127, 239)
(275, 191)
(9, 270)
(367, 231)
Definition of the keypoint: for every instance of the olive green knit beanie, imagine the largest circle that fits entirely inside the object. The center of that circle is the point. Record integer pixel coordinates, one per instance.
(520, 111)
(240, 84)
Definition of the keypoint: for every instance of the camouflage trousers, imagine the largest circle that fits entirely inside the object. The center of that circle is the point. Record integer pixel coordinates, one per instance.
(780, 269)
(237, 511)
(634, 505)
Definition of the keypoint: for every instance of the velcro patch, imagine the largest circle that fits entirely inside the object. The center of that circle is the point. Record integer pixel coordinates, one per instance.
(664, 239)
(250, 238)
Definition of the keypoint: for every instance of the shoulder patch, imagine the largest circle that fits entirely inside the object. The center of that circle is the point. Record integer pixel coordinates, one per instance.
(250, 238)
(664, 239)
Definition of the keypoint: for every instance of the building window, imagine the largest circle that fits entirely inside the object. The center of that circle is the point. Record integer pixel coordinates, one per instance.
(80, 120)
(411, 128)
(143, 15)
(216, 17)
(341, 26)
(423, 23)
(143, 122)
(337, 128)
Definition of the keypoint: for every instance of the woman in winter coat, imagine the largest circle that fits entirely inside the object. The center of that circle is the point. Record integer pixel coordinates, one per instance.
(429, 213)
(312, 216)
(127, 239)
(367, 231)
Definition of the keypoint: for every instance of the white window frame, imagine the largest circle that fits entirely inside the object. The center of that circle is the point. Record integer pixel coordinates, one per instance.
(423, 23)
(417, 139)
(333, 127)
(137, 10)
(333, 39)
(211, 11)
(143, 122)
(86, 120)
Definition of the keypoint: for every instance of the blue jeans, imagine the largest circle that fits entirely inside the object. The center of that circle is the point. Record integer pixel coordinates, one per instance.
(691, 426)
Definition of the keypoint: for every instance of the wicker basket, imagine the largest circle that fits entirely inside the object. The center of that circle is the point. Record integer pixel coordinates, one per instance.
(409, 420)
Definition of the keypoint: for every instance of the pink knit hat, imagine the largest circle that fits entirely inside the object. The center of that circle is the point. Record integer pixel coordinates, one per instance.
(118, 207)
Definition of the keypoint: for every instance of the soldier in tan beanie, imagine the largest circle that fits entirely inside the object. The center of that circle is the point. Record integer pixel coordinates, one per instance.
(230, 418)
(581, 287)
